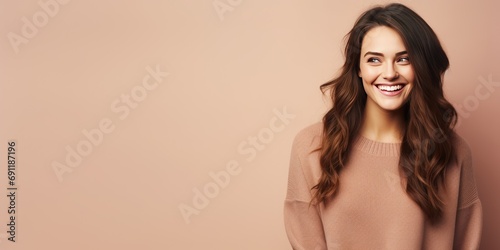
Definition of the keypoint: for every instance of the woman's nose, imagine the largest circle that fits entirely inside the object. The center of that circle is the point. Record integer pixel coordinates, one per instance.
(390, 72)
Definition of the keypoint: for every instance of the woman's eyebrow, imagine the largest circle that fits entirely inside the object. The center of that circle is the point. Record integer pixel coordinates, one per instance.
(381, 54)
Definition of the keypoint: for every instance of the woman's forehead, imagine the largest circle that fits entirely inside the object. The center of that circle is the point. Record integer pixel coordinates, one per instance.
(384, 40)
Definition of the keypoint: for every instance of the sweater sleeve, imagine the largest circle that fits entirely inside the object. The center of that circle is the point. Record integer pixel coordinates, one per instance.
(469, 220)
(302, 220)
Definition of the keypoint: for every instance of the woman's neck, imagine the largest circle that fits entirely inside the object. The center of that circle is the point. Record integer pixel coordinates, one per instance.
(382, 125)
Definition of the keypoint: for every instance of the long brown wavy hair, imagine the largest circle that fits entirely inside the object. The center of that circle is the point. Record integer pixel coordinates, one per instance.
(426, 147)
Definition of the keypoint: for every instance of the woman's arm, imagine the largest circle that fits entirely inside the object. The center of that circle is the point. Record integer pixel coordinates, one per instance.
(469, 222)
(468, 226)
(302, 220)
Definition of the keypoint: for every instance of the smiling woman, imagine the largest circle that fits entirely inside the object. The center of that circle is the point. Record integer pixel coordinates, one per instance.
(385, 170)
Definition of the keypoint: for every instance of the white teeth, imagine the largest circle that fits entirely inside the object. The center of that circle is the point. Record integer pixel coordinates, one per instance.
(390, 88)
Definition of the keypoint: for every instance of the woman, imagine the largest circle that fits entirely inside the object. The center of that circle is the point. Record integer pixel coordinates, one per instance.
(384, 170)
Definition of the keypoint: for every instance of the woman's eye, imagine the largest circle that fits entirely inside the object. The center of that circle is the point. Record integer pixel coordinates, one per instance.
(373, 60)
(404, 59)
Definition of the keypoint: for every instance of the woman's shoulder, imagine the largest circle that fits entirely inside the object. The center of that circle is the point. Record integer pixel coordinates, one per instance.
(305, 153)
(461, 147)
(467, 194)
(308, 137)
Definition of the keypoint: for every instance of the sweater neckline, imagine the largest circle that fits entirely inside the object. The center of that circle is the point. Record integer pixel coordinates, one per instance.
(377, 148)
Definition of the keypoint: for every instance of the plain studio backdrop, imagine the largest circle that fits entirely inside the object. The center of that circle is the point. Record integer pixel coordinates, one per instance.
(168, 124)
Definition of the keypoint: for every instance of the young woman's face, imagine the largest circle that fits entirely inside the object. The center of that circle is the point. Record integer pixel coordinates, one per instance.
(385, 69)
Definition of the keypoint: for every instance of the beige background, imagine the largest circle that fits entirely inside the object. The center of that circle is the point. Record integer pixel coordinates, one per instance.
(228, 72)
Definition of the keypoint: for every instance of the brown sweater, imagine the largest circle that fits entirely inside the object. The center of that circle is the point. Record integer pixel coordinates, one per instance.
(371, 209)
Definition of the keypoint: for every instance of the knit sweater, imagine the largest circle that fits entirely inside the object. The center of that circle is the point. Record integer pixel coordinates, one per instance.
(371, 209)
